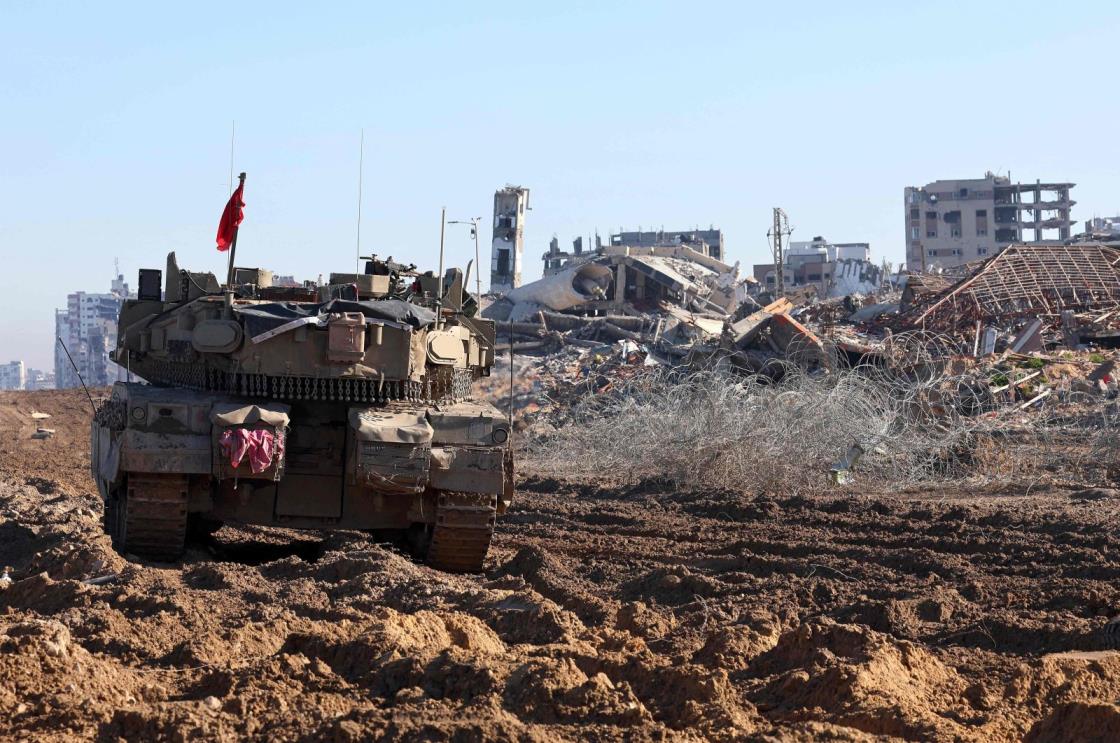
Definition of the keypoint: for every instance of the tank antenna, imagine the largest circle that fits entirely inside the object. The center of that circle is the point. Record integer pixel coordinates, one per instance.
(361, 159)
(439, 291)
(67, 350)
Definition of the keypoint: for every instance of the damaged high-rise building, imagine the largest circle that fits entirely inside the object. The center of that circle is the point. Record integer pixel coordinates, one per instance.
(88, 328)
(507, 248)
(950, 222)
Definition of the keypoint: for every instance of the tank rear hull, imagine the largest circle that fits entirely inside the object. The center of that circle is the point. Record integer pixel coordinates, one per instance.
(168, 458)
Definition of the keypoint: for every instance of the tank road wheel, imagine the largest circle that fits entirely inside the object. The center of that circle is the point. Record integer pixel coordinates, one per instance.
(148, 517)
(462, 532)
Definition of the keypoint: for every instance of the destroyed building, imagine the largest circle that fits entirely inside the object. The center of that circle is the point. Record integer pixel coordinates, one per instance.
(555, 258)
(1109, 226)
(1069, 291)
(1102, 230)
(709, 241)
(949, 222)
(831, 269)
(706, 242)
(508, 245)
(639, 279)
(663, 301)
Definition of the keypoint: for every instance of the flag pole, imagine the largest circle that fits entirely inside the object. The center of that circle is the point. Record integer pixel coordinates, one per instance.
(232, 252)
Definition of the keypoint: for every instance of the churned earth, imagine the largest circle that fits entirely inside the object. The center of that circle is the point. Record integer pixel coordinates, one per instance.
(605, 612)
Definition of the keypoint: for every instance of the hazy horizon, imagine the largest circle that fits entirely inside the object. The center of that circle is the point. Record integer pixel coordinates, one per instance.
(116, 143)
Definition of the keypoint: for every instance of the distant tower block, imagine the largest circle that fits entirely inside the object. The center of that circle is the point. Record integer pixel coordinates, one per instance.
(506, 251)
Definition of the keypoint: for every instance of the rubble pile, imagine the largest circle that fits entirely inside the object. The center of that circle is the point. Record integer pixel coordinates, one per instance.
(1039, 365)
(1027, 297)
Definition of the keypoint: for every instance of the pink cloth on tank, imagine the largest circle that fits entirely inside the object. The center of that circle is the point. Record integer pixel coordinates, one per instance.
(259, 445)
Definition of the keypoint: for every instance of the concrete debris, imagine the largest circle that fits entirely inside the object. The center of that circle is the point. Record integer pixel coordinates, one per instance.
(1018, 354)
(625, 280)
(854, 276)
(1030, 339)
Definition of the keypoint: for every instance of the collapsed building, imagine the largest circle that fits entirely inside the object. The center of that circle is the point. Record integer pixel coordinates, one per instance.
(1070, 293)
(709, 242)
(997, 322)
(630, 280)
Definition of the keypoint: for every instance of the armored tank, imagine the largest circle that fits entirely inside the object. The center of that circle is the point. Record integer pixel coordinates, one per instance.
(343, 404)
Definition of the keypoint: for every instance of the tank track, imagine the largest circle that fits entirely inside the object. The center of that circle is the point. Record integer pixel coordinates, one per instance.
(1110, 634)
(149, 518)
(462, 532)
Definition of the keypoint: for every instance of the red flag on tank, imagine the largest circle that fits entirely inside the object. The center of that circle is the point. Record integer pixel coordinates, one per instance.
(231, 218)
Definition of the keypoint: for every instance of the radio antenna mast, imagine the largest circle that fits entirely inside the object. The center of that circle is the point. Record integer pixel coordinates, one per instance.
(232, 134)
(361, 160)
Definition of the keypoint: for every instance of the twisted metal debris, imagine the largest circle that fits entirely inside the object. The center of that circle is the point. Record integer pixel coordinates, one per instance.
(914, 413)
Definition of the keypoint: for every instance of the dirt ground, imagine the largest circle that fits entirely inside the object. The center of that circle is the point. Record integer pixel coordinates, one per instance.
(643, 613)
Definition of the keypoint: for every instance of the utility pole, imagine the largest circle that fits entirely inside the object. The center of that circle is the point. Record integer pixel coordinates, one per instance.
(779, 232)
(473, 222)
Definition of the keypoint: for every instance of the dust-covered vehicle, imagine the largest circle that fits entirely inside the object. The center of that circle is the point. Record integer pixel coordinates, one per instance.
(345, 405)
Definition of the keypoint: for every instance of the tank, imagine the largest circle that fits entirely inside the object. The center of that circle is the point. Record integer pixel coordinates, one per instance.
(345, 404)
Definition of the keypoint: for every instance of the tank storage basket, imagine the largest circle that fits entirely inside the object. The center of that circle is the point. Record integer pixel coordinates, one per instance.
(391, 450)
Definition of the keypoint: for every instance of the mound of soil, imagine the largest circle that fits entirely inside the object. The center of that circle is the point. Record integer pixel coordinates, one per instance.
(604, 613)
